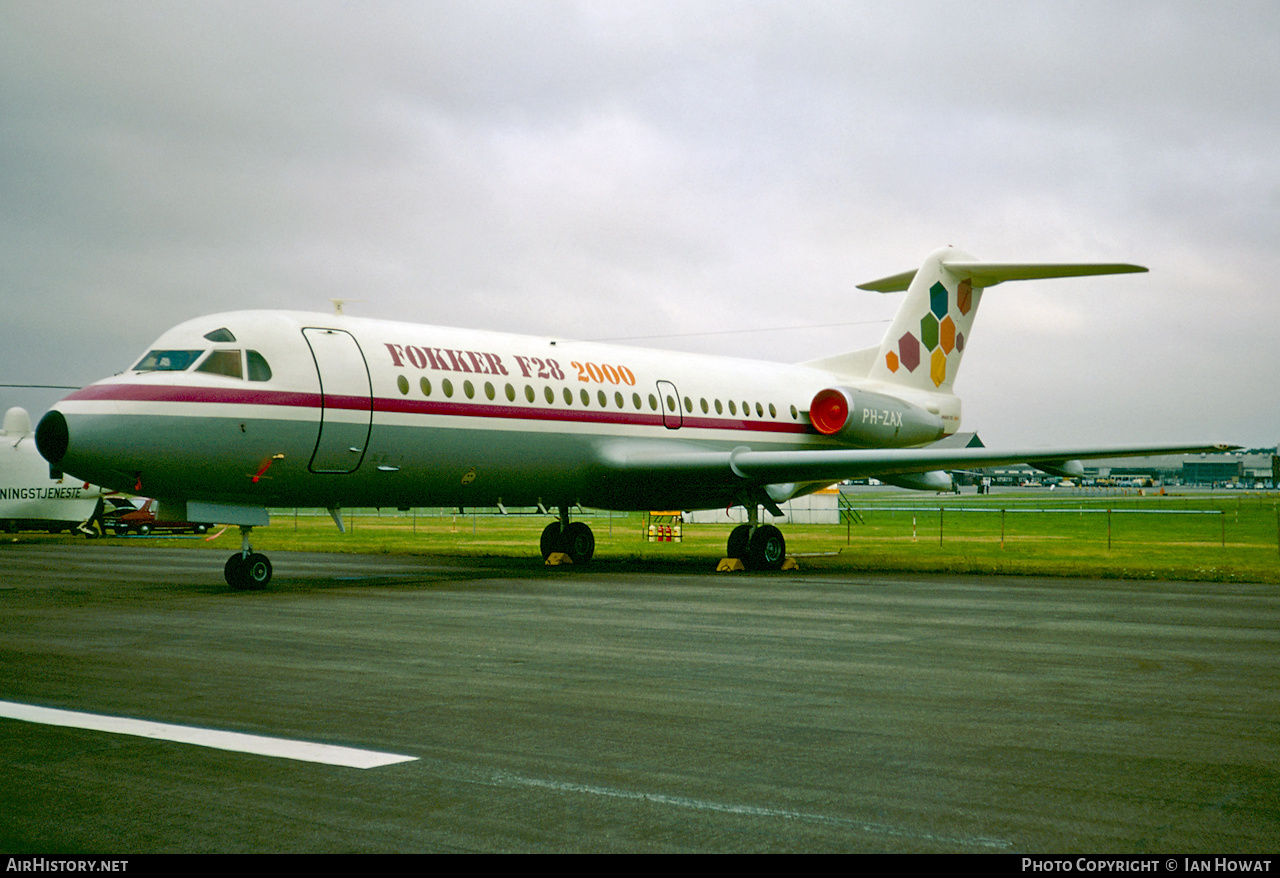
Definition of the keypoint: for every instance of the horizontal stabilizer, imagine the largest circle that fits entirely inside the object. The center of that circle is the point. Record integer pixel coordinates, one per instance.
(988, 274)
(894, 283)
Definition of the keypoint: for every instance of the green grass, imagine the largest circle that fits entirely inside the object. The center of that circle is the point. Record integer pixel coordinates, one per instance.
(1195, 536)
(1189, 536)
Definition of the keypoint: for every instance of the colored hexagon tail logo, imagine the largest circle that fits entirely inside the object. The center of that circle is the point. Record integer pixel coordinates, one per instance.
(909, 351)
(938, 367)
(938, 300)
(929, 331)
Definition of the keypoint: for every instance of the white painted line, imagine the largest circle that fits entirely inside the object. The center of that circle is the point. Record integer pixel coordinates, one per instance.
(304, 751)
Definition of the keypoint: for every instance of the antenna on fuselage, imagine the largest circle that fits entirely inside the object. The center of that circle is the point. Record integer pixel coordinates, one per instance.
(338, 303)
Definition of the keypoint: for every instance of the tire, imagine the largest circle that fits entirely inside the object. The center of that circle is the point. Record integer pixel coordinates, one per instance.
(550, 541)
(144, 529)
(579, 542)
(247, 574)
(200, 528)
(234, 572)
(767, 550)
(739, 538)
(122, 530)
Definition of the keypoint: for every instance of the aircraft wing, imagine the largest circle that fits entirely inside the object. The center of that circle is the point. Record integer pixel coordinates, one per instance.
(774, 467)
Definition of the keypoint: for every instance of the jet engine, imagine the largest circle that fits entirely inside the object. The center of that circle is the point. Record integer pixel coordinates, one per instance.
(938, 480)
(873, 420)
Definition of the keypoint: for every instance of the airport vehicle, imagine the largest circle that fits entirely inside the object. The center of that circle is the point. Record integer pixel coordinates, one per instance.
(245, 410)
(127, 517)
(29, 498)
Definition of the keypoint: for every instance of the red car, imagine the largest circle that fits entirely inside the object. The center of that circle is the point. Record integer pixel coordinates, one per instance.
(127, 518)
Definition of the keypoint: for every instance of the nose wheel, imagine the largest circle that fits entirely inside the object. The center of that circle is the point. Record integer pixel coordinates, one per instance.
(247, 570)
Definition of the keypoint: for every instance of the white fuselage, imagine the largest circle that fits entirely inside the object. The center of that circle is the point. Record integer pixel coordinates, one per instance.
(350, 411)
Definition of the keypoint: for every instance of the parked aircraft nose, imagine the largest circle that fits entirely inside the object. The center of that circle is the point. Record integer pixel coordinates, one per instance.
(52, 437)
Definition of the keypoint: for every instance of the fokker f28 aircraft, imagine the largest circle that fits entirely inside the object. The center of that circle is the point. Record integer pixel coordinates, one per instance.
(233, 413)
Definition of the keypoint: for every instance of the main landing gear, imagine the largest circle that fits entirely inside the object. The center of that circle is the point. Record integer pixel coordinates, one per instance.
(758, 546)
(574, 539)
(247, 570)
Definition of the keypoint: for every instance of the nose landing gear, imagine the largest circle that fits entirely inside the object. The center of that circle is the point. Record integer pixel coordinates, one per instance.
(247, 570)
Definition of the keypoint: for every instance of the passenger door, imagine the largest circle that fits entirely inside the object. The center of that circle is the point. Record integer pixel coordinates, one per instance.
(346, 400)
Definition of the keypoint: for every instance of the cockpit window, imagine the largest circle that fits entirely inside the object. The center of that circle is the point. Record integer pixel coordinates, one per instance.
(258, 368)
(220, 335)
(167, 361)
(222, 363)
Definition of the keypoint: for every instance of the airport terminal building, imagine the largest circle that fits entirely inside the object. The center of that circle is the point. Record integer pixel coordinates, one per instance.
(1255, 468)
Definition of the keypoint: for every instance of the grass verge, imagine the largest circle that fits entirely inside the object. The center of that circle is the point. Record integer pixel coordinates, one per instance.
(1197, 537)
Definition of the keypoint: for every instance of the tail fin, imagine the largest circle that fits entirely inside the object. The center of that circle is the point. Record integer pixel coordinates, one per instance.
(927, 339)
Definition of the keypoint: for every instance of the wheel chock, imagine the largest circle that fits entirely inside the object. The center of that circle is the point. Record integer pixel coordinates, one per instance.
(733, 565)
(558, 558)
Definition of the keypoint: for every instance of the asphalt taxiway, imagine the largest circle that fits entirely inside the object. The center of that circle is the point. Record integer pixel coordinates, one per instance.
(616, 708)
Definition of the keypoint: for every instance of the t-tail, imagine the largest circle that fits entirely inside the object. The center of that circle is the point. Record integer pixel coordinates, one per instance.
(928, 337)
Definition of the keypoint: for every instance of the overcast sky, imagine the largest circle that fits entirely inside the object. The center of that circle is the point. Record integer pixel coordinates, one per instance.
(613, 170)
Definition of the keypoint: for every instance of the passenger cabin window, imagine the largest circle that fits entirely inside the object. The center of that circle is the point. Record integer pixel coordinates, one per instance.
(222, 363)
(167, 361)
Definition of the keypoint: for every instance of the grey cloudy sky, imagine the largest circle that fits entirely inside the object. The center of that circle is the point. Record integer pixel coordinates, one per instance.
(613, 170)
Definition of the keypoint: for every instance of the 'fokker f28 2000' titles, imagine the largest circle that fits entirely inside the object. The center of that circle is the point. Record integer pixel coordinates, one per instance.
(230, 414)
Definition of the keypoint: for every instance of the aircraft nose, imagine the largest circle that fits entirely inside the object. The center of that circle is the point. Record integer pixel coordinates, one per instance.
(52, 437)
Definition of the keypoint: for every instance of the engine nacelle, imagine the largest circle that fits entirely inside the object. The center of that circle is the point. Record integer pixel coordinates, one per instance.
(873, 420)
(937, 480)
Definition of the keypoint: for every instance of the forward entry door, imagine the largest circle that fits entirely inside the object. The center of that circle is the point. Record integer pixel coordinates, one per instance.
(346, 401)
